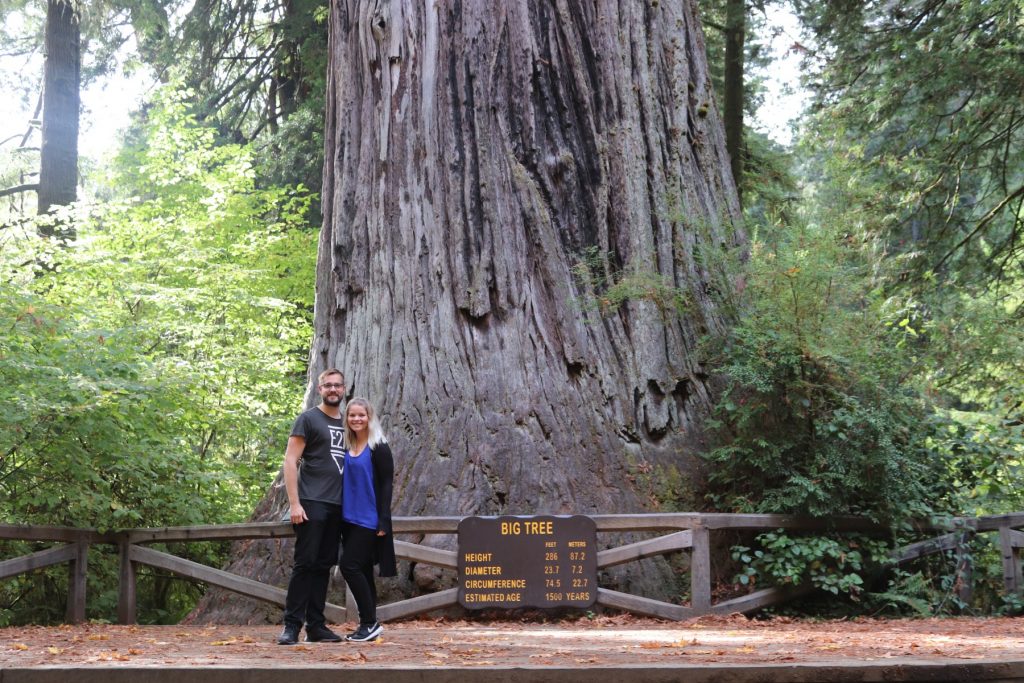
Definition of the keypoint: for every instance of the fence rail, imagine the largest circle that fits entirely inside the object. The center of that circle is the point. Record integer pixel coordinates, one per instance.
(679, 532)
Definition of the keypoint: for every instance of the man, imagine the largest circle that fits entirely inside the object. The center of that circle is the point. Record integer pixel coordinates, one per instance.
(314, 502)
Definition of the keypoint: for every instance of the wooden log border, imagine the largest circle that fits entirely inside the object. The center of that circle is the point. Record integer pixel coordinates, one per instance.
(685, 531)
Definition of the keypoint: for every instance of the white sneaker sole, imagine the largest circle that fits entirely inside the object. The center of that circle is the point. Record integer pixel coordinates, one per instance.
(374, 635)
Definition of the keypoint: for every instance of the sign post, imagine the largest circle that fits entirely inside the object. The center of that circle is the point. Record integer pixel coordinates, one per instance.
(528, 561)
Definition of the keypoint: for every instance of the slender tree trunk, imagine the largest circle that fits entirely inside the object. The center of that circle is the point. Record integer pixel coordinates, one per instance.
(58, 169)
(288, 70)
(477, 154)
(735, 35)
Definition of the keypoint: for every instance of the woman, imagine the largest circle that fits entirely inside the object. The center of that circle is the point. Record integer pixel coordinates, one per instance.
(366, 513)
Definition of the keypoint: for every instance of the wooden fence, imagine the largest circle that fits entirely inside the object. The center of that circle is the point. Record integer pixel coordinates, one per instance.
(677, 532)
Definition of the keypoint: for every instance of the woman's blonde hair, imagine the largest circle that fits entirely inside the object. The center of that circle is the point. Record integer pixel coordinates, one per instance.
(376, 434)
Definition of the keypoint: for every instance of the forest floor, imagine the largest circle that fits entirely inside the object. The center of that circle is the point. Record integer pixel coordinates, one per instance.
(615, 640)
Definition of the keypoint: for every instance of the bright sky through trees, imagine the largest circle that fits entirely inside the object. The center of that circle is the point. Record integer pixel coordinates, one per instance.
(785, 98)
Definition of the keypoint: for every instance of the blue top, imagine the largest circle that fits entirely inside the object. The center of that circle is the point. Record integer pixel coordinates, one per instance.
(359, 503)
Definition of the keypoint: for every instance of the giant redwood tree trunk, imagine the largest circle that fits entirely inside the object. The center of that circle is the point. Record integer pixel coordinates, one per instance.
(477, 153)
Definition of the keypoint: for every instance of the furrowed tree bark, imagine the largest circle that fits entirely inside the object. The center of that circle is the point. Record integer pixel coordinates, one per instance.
(477, 154)
(58, 166)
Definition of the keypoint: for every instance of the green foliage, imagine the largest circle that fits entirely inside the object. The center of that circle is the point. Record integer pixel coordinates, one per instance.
(986, 460)
(89, 431)
(252, 68)
(834, 565)
(875, 366)
(923, 100)
(907, 593)
(609, 288)
(770, 186)
(257, 71)
(916, 147)
(932, 585)
(149, 366)
(817, 417)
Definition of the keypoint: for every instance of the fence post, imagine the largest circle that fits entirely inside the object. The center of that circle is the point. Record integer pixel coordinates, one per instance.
(77, 572)
(1011, 560)
(965, 569)
(700, 570)
(126, 611)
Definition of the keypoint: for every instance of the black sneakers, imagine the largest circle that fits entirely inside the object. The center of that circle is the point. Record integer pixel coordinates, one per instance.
(321, 634)
(366, 632)
(290, 635)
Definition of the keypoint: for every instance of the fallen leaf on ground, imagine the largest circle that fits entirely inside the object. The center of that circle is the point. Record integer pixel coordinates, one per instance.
(357, 657)
(112, 656)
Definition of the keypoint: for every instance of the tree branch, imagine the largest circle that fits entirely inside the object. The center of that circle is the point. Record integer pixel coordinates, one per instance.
(985, 220)
(31, 187)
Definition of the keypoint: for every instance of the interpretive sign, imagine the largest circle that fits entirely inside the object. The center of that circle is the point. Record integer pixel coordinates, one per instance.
(535, 561)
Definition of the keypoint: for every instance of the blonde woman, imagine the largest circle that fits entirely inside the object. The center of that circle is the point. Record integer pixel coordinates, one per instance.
(366, 513)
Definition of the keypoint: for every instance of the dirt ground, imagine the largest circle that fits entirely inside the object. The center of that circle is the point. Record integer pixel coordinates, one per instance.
(599, 642)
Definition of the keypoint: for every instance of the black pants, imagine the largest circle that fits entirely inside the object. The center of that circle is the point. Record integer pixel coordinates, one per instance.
(316, 551)
(356, 566)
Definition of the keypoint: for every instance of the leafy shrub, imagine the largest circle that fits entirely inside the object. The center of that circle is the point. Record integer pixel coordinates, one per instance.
(818, 416)
(831, 564)
(152, 359)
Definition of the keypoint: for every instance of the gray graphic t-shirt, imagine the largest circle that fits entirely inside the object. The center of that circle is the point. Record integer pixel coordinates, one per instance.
(323, 458)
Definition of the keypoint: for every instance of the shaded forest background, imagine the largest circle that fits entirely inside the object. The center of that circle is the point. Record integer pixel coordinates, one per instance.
(157, 320)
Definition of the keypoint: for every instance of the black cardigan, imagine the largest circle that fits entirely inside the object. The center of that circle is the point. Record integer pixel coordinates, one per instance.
(383, 482)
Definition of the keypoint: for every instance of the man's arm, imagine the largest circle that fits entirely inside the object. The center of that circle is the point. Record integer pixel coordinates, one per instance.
(292, 455)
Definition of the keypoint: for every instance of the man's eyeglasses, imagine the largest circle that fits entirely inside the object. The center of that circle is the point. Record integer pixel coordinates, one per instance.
(332, 385)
